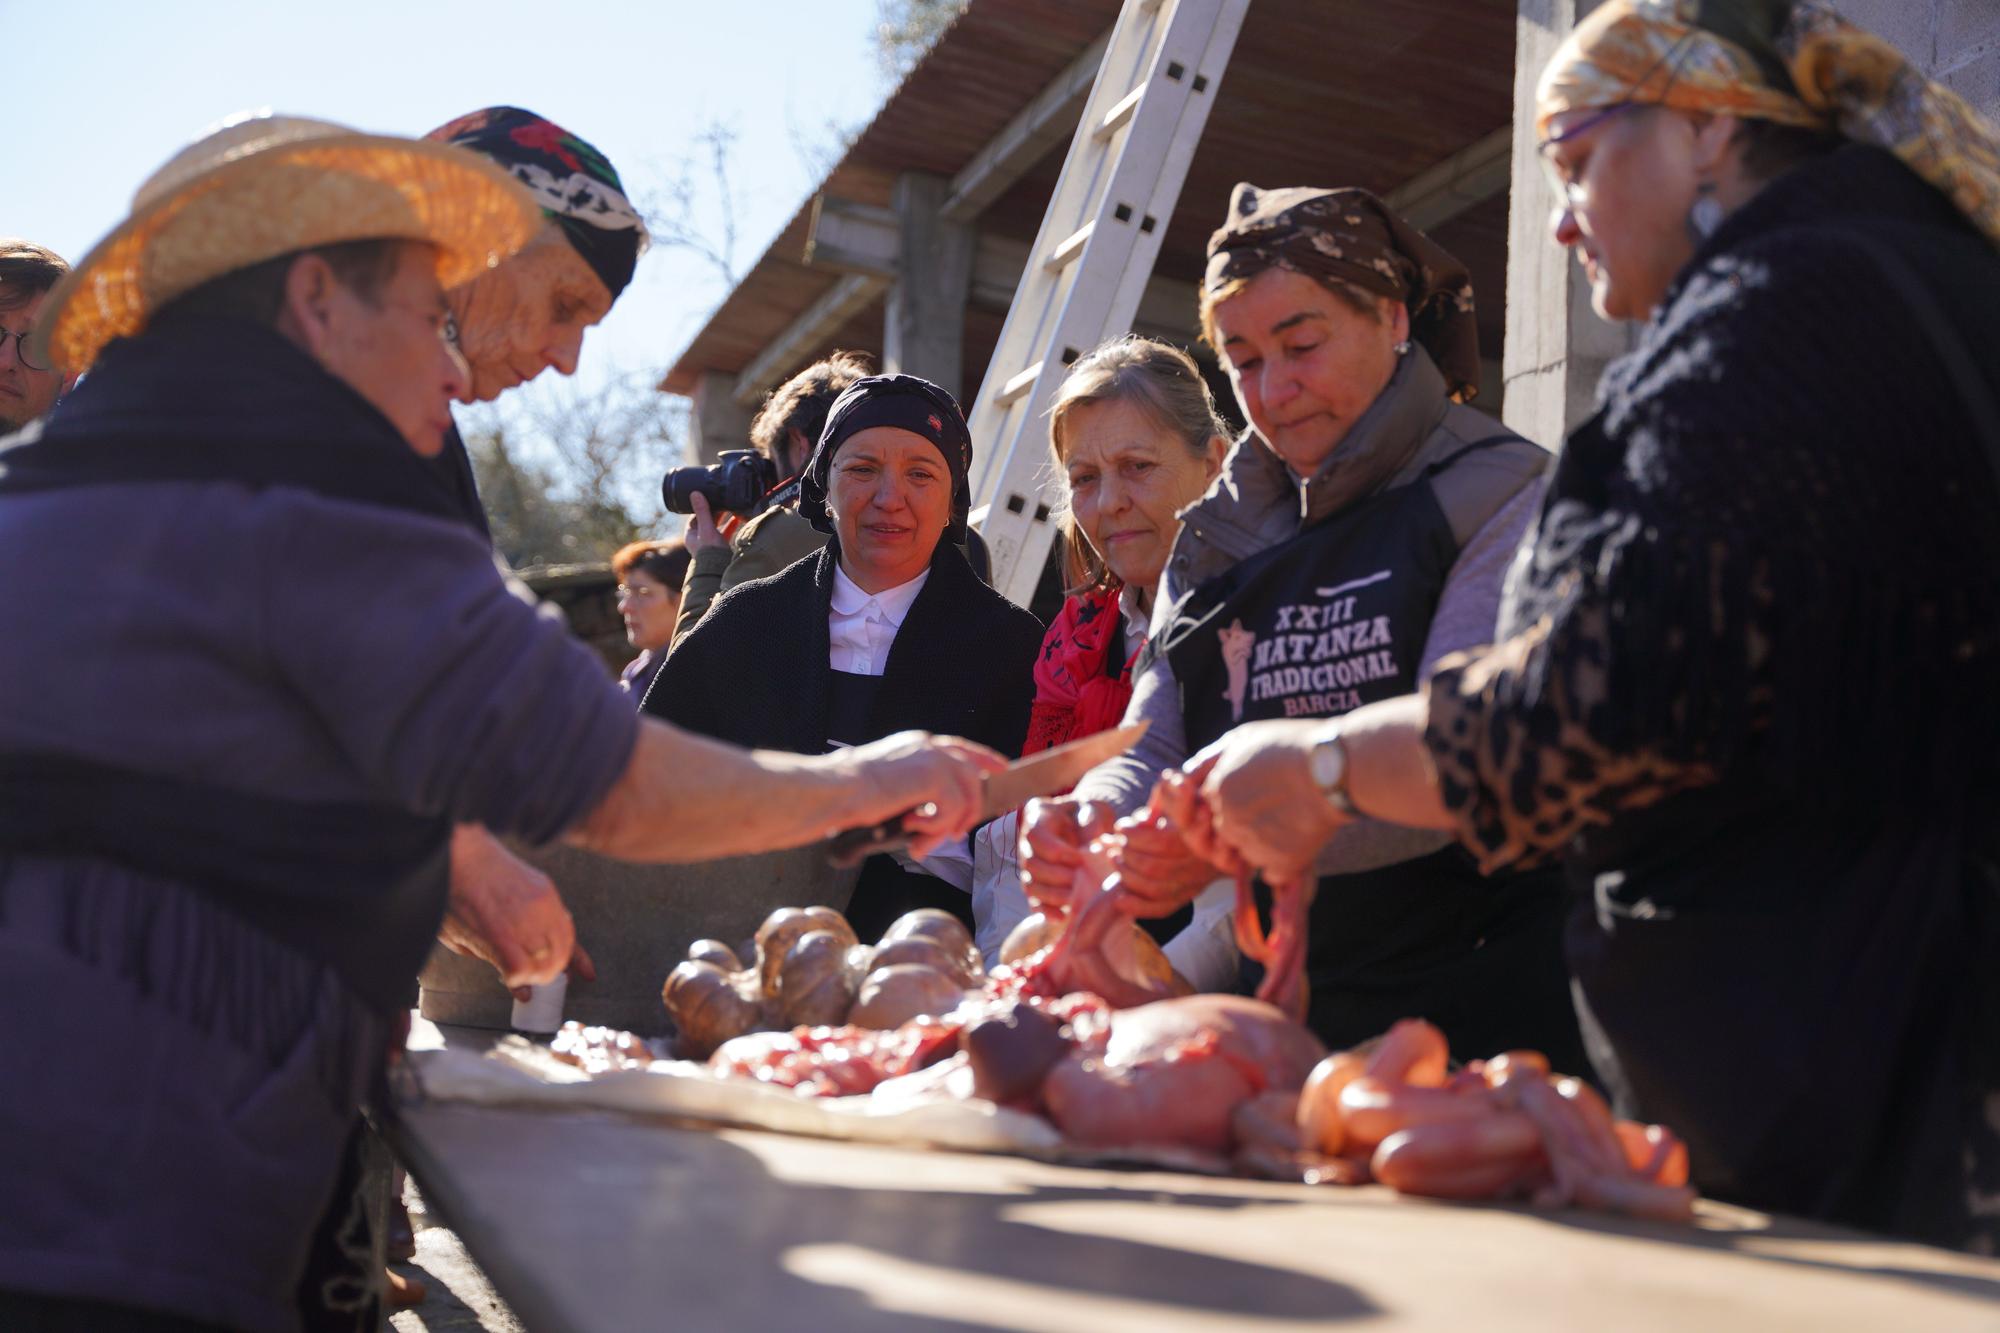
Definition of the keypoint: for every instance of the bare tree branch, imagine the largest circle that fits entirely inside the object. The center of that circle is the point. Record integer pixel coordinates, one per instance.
(819, 150)
(673, 211)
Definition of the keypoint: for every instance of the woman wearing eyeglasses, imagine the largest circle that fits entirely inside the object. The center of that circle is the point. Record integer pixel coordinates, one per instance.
(28, 389)
(649, 602)
(1748, 686)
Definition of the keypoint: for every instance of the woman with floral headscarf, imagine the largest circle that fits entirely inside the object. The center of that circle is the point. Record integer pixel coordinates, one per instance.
(529, 313)
(1746, 688)
(1357, 534)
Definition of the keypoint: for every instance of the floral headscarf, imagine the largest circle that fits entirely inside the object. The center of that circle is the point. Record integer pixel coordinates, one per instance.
(1351, 236)
(1768, 60)
(574, 183)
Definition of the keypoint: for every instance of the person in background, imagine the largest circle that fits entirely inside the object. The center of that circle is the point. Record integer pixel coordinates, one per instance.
(1358, 533)
(649, 601)
(1135, 440)
(229, 790)
(785, 431)
(886, 628)
(27, 389)
(1748, 678)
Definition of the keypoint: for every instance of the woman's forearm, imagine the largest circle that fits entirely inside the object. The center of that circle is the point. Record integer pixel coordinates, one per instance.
(685, 797)
(1390, 775)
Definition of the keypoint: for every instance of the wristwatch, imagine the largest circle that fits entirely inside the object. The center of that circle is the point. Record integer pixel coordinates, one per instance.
(1328, 761)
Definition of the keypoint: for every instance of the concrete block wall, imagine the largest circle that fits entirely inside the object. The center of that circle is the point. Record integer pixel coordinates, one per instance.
(1956, 42)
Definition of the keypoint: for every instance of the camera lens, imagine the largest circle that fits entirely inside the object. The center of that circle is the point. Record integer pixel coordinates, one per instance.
(678, 488)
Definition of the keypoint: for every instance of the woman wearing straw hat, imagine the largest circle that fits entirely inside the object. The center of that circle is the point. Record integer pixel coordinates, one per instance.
(226, 792)
(1749, 680)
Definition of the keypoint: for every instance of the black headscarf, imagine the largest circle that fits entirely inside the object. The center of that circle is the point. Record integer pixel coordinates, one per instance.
(907, 403)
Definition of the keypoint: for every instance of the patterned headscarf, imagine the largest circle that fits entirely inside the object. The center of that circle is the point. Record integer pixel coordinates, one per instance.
(574, 183)
(1767, 60)
(1350, 236)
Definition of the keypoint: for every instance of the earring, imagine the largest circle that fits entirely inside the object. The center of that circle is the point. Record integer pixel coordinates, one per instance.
(1403, 347)
(1706, 215)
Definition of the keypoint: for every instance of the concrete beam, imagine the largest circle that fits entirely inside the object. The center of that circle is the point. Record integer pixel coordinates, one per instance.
(720, 420)
(1046, 121)
(1458, 184)
(805, 335)
(851, 237)
(1557, 347)
(924, 323)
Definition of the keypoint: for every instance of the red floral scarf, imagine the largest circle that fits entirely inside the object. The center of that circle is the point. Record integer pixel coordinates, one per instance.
(1074, 693)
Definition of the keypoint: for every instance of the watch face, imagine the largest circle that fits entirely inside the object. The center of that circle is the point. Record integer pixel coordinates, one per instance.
(1329, 763)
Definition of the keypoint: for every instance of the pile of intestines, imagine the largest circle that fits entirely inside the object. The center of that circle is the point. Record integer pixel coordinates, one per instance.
(1084, 1022)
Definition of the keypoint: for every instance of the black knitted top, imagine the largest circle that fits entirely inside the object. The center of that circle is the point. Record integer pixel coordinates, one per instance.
(1773, 553)
(1749, 695)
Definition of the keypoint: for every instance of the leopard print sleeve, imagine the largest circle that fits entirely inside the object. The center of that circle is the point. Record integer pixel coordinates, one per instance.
(1526, 771)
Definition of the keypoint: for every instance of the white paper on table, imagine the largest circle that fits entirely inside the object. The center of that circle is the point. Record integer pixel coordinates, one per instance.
(518, 1072)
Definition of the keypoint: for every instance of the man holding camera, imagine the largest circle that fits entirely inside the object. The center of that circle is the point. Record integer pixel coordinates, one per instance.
(770, 535)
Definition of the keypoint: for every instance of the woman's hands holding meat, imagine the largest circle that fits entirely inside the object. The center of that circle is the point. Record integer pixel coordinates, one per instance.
(1257, 800)
(1054, 832)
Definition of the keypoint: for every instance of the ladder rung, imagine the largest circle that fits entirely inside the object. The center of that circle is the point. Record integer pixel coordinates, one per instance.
(1060, 257)
(1114, 119)
(1019, 385)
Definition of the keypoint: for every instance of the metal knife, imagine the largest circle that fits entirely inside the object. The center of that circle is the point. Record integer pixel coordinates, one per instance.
(1051, 770)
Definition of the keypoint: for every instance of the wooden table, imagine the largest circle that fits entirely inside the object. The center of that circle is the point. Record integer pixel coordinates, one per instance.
(592, 1221)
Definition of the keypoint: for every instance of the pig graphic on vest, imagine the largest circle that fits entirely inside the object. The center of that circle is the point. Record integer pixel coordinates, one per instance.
(1236, 643)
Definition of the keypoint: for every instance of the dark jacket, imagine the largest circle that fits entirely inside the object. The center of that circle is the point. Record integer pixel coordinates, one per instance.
(1767, 569)
(278, 666)
(755, 671)
(774, 540)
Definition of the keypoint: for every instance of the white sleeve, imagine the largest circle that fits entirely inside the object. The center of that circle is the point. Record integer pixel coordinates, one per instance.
(999, 903)
(1205, 950)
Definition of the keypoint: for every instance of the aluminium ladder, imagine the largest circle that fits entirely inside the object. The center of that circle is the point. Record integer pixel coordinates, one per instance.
(1091, 258)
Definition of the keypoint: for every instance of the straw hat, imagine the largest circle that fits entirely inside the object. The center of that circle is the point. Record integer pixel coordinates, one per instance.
(265, 186)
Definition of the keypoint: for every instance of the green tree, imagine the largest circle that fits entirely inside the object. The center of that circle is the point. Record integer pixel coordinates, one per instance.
(591, 483)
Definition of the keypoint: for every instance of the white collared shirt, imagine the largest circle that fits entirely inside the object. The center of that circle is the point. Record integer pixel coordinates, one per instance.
(862, 626)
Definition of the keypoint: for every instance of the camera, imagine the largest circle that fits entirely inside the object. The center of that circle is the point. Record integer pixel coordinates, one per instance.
(737, 484)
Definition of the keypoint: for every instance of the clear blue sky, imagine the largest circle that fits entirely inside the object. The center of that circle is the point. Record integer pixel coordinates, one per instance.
(101, 92)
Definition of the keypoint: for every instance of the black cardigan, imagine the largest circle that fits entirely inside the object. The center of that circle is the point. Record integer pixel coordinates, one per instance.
(755, 671)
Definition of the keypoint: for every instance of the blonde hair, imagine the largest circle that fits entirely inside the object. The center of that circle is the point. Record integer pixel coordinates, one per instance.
(1160, 380)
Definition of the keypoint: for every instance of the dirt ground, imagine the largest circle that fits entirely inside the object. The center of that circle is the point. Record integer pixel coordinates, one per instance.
(460, 1298)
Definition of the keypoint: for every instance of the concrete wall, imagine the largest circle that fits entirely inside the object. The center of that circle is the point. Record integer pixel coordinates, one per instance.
(1556, 347)
(1957, 42)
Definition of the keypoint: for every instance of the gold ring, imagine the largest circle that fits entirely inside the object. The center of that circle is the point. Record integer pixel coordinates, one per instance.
(539, 954)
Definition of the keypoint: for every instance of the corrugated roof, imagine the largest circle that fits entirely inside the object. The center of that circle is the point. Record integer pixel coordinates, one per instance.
(1324, 92)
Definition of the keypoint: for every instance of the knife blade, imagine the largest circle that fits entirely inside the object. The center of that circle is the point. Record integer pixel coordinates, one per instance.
(1053, 770)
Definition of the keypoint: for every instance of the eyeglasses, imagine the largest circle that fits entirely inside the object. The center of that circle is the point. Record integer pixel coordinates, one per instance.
(20, 347)
(638, 592)
(1568, 187)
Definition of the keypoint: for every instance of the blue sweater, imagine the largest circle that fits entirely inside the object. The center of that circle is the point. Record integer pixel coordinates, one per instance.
(179, 1084)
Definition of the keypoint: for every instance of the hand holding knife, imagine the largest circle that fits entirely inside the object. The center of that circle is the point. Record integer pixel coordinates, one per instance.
(1052, 770)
